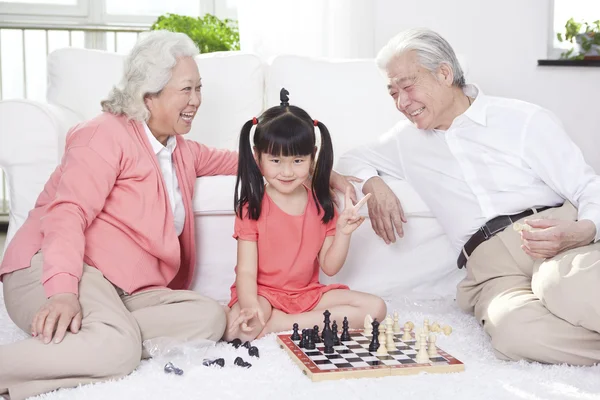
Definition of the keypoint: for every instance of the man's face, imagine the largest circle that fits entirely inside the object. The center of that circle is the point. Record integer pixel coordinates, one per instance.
(421, 96)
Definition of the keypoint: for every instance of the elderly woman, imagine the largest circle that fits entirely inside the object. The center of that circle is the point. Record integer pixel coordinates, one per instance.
(109, 247)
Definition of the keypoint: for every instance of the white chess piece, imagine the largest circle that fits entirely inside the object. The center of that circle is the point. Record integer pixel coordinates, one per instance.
(382, 350)
(368, 325)
(397, 328)
(389, 332)
(422, 357)
(406, 336)
(431, 349)
(426, 326)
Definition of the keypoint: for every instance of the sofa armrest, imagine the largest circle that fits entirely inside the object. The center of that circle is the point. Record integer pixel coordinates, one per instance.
(32, 137)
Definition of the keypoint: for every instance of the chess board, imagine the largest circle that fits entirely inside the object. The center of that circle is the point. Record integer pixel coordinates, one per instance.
(352, 359)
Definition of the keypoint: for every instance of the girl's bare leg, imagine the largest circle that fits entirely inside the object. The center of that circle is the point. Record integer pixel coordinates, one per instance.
(236, 331)
(340, 303)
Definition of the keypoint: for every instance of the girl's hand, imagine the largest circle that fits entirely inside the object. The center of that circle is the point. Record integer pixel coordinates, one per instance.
(349, 219)
(248, 319)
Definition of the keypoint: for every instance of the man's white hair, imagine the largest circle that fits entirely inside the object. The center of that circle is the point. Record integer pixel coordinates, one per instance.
(147, 69)
(432, 51)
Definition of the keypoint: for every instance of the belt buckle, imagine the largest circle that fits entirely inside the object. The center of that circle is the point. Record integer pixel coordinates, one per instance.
(486, 231)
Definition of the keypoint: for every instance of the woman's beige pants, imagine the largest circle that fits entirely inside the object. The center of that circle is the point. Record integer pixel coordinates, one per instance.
(109, 344)
(537, 310)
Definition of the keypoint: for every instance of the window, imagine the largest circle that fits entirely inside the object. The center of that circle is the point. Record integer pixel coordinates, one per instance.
(29, 32)
(579, 10)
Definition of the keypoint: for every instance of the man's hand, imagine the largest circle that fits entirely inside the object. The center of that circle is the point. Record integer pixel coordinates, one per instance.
(61, 312)
(550, 237)
(341, 183)
(385, 210)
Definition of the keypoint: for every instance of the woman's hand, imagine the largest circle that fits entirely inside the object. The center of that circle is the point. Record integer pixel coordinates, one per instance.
(342, 183)
(248, 319)
(349, 220)
(61, 312)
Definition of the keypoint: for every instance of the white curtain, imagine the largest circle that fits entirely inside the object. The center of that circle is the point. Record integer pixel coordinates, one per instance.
(318, 28)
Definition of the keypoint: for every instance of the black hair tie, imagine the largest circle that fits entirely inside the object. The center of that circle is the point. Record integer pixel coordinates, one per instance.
(283, 97)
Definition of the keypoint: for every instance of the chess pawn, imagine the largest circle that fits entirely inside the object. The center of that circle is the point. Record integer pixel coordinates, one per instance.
(389, 332)
(397, 328)
(368, 324)
(447, 329)
(406, 336)
(422, 357)
(382, 350)
(431, 349)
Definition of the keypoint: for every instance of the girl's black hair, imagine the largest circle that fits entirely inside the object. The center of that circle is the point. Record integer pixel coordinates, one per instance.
(283, 130)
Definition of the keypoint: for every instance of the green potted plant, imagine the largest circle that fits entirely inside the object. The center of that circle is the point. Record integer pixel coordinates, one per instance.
(585, 36)
(209, 32)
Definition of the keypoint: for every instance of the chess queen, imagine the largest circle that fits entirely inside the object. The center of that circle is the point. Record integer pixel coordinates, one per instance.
(288, 230)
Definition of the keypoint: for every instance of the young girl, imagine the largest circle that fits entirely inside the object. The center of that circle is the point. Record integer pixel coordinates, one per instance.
(286, 231)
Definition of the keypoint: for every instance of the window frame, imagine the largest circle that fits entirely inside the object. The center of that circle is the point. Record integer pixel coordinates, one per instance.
(553, 51)
(92, 12)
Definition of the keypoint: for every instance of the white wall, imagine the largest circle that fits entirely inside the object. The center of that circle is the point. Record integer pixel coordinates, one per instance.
(501, 41)
(314, 28)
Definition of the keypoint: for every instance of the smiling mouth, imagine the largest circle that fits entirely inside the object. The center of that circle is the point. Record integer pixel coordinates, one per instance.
(417, 112)
(187, 117)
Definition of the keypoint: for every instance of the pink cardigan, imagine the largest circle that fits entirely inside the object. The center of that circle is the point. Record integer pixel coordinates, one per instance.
(106, 205)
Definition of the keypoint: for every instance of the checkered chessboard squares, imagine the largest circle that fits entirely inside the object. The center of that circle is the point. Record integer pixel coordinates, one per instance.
(355, 354)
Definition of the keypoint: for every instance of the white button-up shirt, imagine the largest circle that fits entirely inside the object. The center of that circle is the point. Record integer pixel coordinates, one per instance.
(501, 156)
(164, 155)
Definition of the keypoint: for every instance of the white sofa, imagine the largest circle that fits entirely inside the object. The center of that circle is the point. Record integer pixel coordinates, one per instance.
(348, 96)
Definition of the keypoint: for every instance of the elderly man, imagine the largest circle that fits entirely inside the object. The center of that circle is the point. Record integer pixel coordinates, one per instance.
(484, 164)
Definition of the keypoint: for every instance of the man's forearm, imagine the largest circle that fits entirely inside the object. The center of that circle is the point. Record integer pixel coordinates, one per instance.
(368, 185)
(584, 233)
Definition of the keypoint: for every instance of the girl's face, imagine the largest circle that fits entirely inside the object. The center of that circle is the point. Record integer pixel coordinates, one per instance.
(285, 173)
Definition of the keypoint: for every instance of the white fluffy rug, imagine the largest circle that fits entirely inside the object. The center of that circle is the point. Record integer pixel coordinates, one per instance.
(275, 376)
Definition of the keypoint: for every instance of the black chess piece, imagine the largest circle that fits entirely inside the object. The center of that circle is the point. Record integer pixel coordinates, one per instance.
(216, 361)
(315, 336)
(326, 323)
(247, 345)
(328, 340)
(236, 343)
(295, 335)
(253, 352)
(303, 339)
(345, 334)
(374, 345)
(310, 344)
(241, 363)
(336, 339)
(169, 367)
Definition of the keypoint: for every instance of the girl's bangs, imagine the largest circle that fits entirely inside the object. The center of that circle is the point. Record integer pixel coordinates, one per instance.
(287, 137)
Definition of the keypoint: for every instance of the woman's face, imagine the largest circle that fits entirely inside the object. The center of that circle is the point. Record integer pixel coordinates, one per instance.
(174, 108)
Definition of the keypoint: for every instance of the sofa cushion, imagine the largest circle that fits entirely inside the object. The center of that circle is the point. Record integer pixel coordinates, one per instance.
(348, 96)
(232, 89)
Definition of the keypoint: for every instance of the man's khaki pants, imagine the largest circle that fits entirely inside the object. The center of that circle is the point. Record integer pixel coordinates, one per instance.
(536, 310)
(109, 344)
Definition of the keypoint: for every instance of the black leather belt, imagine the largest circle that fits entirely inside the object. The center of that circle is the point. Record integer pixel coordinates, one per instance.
(488, 230)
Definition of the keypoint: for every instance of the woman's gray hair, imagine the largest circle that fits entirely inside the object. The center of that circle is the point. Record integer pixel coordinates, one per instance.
(147, 70)
(431, 49)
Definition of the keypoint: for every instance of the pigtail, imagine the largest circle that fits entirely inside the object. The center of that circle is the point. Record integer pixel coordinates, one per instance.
(322, 174)
(249, 187)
